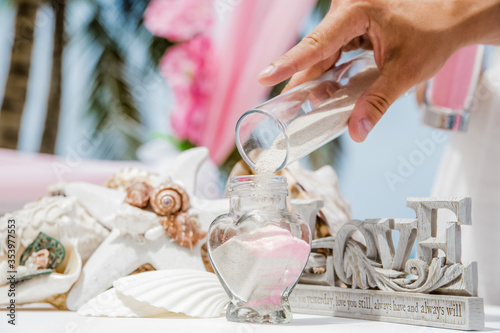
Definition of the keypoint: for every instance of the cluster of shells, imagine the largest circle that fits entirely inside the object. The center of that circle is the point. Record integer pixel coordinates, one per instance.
(171, 202)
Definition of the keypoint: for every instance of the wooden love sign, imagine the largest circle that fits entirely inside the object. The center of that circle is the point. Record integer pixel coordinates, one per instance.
(375, 280)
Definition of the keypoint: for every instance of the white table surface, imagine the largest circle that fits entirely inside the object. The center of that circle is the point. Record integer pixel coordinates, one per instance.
(41, 318)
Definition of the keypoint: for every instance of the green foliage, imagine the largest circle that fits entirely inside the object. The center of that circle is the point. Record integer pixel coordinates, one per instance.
(325, 155)
(109, 34)
(323, 6)
(277, 89)
(228, 165)
(111, 104)
(179, 144)
(157, 49)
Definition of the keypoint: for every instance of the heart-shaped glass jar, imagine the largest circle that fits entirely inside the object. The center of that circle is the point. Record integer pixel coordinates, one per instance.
(259, 250)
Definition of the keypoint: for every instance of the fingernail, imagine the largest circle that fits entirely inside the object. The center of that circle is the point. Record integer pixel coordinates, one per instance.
(267, 71)
(364, 127)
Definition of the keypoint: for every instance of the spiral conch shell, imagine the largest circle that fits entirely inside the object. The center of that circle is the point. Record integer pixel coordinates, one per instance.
(168, 199)
(184, 229)
(138, 194)
(171, 202)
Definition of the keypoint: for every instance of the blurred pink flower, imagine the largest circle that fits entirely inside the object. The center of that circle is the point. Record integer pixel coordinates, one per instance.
(178, 20)
(189, 70)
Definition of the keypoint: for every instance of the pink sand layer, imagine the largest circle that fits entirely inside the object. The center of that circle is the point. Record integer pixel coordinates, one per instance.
(260, 265)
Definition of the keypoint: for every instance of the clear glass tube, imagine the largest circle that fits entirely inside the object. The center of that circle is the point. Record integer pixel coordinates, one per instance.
(292, 125)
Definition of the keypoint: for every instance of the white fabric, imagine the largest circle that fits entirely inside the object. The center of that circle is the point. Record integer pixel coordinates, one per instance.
(471, 167)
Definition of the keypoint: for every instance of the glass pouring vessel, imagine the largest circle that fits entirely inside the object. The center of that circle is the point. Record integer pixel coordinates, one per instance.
(292, 125)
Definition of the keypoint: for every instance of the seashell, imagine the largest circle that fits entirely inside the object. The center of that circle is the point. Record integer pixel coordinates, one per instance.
(118, 255)
(194, 293)
(62, 218)
(168, 199)
(185, 168)
(138, 194)
(183, 228)
(56, 189)
(321, 184)
(147, 267)
(207, 210)
(112, 304)
(134, 221)
(4, 268)
(124, 178)
(41, 287)
(154, 233)
(80, 216)
(24, 274)
(55, 252)
(121, 254)
(205, 258)
(39, 259)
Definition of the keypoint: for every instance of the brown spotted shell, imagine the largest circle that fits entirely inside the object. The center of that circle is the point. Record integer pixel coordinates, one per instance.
(184, 229)
(138, 194)
(205, 258)
(124, 178)
(168, 199)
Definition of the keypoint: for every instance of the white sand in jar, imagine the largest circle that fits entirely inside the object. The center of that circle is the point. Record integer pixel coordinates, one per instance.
(310, 131)
(258, 266)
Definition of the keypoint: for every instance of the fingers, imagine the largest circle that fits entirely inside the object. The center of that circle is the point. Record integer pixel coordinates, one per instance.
(336, 29)
(320, 92)
(372, 105)
(360, 42)
(312, 72)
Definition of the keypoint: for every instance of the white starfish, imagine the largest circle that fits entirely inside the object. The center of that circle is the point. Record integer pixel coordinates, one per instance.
(137, 237)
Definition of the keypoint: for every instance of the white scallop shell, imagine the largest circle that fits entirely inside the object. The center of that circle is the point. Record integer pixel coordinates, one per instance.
(112, 304)
(194, 293)
(161, 293)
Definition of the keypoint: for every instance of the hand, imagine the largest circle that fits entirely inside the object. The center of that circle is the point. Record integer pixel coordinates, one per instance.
(411, 41)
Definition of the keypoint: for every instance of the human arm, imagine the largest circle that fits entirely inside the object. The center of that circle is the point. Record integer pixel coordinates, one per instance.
(411, 41)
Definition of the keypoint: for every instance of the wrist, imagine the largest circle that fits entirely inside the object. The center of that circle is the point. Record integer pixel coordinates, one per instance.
(479, 21)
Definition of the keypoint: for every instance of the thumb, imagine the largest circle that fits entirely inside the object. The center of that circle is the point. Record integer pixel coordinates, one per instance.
(372, 105)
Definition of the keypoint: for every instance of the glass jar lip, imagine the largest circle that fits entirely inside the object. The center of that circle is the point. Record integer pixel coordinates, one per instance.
(262, 182)
(279, 123)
